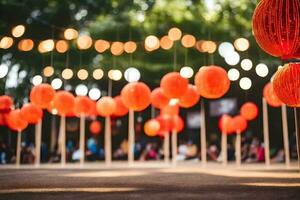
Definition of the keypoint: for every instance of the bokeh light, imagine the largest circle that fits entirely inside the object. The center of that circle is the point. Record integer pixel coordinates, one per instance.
(3, 70)
(70, 34)
(81, 90)
(132, 74)
(188, 41)
(241, 44)
(151, 41)
(117, 48)
(82, 74)
(174, 34)
(115, 74)
(245, 83)
(6, 42)
(18, 31)
(61, 46)
(48, 71)
(246, 64)
(36, 80)
(67, 74)
(56, 83)
(130, 47)
(186, 72)
(94, 94)
(101, 46)
(166, 43)
(25, 45)
(84, 42)
(262, 70)
(98, 74)
(232, 58)
(233, 74)
(46, 46)
(224, 48)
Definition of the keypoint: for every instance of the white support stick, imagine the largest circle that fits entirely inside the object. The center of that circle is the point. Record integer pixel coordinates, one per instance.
(107, 144)
(82, 139)
(63, 140)
(238, 142)
(174, 147)
(203, 134)
(131, 137)
(266, 132)
(285, 135)
(167, 147)
(38, 141)
(224, 148)
(18, 152)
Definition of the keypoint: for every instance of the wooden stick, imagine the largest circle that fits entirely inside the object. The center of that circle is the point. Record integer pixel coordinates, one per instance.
(18, 152)
(53, 139)
(38, 140)
(167, 147)
(297, 126)
(82, 139)
(203, 133)
(238, 142)
(266, 132)
(285, 135)
(174, 147)
(224, 148)
(131, 137)
(63, 139)
(107, 143)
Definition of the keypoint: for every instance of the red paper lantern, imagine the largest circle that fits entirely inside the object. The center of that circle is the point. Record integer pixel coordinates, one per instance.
(106, 106)
(31, 113)
(190, 98)
(64, 103)
(6, 104)
(276, 27)
(82, 105)
(15, 121)
(174, 85)
(165, 124)
(240, 124)
(212, 82)
(249, 111)
(286, 84)
(226, 124)
(41, 95)
(3, 117)
(177, 123)
(270, 96)
(170, 110)
(121, 109)
(136, 96)
(95, 127)
(152, 127)
(158, 99)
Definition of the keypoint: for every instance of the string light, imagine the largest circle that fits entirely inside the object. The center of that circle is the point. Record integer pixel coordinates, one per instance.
(81, 90)
(132, 74)
(246, 64)
(245, 83)
(25, 45)
(115, 74)
(6, 42)
(61, 46)
(262, 70)
(94, 94)
(18, 31)
(67, 74)
(166, 43)
(186, 72)
(84, 42)
(48, 71)
(98, 74)
(3, 70)
(174, 34)
(241, 44)
(101, 45)
(36, 80)
(151, 41)
(82, 74)
(70, 34)
(233, 74)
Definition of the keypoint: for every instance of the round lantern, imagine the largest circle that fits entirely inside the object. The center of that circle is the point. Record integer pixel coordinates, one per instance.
(15, 120)
(270, 96)
(165, 123)
(82, 105)
(121, 109)
(174, 85)
(31, 113)
(95, 127)
(286, 84)
(177, 123)
(41, 95)
(190, 98)
(64, 103)
(158, 99)
(226, 124)
(152, 127)
(249, 111)
(6, 103)
(106, 106)
(136, 96)
(170, 110)
(276, 27)
(212, 82)
(240, 123)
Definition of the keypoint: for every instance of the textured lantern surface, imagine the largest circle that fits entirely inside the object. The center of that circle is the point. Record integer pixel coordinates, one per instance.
(249, 111)
(15, 120)
(41, 95)
(165, 123)
(31, 113)
(270, 96)
(240, 123)
(121, 109)
(286, 84)
(170, 110)
(226, 124)
(93, 109)
(190, 98)
(64, 103)
(212, 82)
(136, 96)
(82, 105)
(152, 127)
(6, 103)
(174, 85)
(276, 27)
(177, 123)
(158, 99)
(95, 127)
(106, 106)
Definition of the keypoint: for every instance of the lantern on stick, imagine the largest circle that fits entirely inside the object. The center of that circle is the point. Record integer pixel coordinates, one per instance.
(152, 127)
(177, 126)
(6, 104)
(190, 98)
(174, 85)
(249, 111)
(121, 109)
(158, 99)
(270, 96)
(95, 127)
(240, 125)
(165, 127)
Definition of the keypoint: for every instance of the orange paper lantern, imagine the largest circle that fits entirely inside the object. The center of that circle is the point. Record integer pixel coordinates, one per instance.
(82, 105)
(165, 124)
(226, 124)
(31, 113)
(212, 82)
(152, 127)
(270, 96)
(95, 127)
(136, 96)
(240, 124)
(174, 85)
(3, 119)
(15, 121)
(106, 106)
(41, 95)
(6, 104)
(190, 98)
(121, 109)
(170, 110)
(93, 109)
(177, 123)
(64, 103)
(249, 111)
(158, 99)
(286, 84)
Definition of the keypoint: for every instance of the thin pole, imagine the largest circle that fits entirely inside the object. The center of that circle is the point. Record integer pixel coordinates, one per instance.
(63, 139)
(53, 134)
(285, 135)
(238, 142)
(174, 147)
(82, 139)
(166, 147)
(203, 134)
(131, 137)
(18, 156)
(266, 132)
(297, 126)
(107, 138)
(224, 148)
(38, 140)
